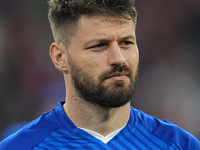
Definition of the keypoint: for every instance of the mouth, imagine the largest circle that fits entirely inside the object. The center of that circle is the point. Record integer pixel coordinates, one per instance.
(118, 76)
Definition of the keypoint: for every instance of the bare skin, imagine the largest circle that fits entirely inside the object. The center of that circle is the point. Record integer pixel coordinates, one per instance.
(86, 49)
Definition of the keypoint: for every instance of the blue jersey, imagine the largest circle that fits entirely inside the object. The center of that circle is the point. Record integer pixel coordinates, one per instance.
(55, 131)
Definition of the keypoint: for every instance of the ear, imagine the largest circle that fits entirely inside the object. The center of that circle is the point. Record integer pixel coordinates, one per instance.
(58, 53)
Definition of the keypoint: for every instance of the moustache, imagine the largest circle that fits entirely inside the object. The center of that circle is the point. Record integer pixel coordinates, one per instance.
(116, 69)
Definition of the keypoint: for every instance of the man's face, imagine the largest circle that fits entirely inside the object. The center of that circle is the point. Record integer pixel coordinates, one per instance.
(103, 60)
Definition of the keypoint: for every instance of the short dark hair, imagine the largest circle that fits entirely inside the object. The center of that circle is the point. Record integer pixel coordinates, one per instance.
(64, 14)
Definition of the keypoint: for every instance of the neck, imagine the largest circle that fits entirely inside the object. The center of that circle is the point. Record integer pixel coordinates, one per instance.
(102, 120)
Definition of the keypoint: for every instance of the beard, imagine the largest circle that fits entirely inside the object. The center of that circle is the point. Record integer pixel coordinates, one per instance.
(115, 95)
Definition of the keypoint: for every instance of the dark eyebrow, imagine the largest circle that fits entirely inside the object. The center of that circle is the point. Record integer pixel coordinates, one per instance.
(128, 37)
(97, 41)
(107, 41)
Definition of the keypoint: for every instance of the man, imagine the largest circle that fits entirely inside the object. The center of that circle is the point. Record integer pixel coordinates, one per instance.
(95, 48)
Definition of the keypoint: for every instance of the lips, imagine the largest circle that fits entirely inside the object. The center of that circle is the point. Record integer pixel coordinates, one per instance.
(119, 76)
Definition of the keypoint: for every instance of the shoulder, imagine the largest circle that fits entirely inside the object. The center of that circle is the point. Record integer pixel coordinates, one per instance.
(167, 131)
(32, 133)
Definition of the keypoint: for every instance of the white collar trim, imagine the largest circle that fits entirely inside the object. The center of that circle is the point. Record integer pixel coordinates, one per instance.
(104, 139)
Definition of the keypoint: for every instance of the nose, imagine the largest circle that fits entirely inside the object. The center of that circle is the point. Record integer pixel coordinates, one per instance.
(115, 55)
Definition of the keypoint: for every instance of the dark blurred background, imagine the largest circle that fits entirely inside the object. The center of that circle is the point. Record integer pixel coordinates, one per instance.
(168, 35)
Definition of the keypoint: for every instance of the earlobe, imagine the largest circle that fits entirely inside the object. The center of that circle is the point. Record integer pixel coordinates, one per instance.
(58, 55)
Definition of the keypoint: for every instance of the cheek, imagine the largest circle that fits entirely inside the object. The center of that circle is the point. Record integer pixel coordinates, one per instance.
(92, 67)
(133, 59)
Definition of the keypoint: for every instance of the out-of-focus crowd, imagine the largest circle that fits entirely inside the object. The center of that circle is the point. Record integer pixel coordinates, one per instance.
(168, 36)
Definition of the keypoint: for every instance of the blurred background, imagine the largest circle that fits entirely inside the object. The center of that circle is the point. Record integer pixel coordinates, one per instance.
(168, 35)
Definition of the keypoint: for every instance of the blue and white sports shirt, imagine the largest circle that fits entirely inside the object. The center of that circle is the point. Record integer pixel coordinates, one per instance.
(55, 131)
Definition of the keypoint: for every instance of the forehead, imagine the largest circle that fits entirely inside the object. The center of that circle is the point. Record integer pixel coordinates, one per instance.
(104, 27)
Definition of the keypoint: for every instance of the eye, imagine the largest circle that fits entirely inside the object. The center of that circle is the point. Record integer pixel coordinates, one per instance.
(126, 44)
(98, 47)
